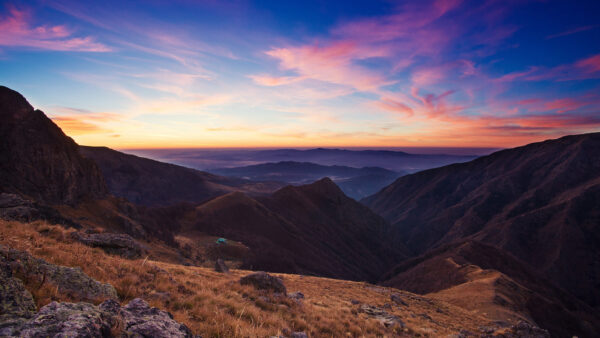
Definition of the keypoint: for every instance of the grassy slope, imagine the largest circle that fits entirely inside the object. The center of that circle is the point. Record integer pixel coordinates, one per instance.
(216, 305)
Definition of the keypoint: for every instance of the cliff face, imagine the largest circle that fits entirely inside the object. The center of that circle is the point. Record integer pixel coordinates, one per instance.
(39, 160)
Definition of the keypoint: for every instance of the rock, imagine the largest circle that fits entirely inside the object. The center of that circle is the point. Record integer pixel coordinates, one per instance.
(396, 298)
(523, 330)
(68, 320)
(220, 266)
(386, 319)
(298, 335)
(117, 244)
(296, 295)
(264, 281)
(14, 298)
(141, 320)
(136, 319)
(14, 207)
(70, 281)
(354, 302)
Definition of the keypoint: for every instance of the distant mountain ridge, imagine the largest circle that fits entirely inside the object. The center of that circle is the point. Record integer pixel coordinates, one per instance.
(207, 159)
(355, 182)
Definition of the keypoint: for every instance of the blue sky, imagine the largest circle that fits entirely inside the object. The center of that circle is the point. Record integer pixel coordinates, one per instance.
(282, 73)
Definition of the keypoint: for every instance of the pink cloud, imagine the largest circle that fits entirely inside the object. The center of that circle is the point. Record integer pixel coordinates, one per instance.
(584, 69)
(271, 81)
(395, 106)
(332, 63)
(16, 30)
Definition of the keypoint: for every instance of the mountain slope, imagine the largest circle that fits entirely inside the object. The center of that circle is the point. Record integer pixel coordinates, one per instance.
(539, 202)
(485, 279)
(313, 229)
(149, 182)
(355, 182)
(39, 160)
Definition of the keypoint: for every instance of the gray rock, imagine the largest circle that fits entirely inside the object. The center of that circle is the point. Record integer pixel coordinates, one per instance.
(264, 281)
(141, 320)
(396, 298)
(386, 319)
(298, 335)
(354, 302)
(296, 295)
(68, 320)
(220, 266)
(71, 281)
(524, 330)
(116, 244)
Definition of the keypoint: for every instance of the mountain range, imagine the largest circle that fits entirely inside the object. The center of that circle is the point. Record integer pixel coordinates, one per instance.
(510, 236)
(354, 182)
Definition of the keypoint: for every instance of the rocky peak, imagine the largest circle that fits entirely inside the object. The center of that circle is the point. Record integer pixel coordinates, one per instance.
(39, 160)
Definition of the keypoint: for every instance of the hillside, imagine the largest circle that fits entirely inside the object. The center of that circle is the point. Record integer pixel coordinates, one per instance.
(354, 182)
(153, 183)
(214, 304)
(312, 229)
(484, 279)
(539, 202)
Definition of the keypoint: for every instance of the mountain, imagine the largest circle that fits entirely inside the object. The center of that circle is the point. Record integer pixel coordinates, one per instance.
(354, 182)
(312, 229)
(148, 182)
(539, 202)
(209, 159)
(483, 278)
(39, 160)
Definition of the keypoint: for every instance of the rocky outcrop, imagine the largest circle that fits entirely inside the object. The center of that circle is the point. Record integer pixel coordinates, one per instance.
(116, 244)
(109, 319)
(386, 319)
(39, 160)
(220, 266)
(263, 281)
(70, 281)
(14, 207)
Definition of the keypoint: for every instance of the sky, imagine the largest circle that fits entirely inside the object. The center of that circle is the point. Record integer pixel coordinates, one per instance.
(182, 73)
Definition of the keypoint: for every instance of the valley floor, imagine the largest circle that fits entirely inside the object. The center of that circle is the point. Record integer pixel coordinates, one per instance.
(214, 304)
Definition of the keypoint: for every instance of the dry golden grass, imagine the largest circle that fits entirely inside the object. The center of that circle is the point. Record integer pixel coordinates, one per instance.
(216, 305)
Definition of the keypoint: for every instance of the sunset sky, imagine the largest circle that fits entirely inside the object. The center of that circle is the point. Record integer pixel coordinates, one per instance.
(303, 73)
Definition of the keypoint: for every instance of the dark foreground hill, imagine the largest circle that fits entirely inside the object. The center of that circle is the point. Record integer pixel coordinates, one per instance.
(539, 202)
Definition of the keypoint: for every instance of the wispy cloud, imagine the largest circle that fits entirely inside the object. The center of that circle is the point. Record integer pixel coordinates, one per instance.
(571, 31)
(18, 30)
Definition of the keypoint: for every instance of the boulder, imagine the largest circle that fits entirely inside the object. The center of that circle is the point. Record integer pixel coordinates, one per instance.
(109, 319)
(220, 266)
(396, 298)
(141, 320)
(386, 319)
(299, 335)
(14, 207)
(296, 295)
(68, 320)
(523, 330)
(117, 244)
(264, 281)
(70, 281)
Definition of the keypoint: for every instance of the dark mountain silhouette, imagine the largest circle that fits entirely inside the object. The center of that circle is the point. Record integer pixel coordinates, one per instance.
(354, 182)
(312, 229)
(483, 278)
(539, 202)
(148, 182)
(39, 160)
